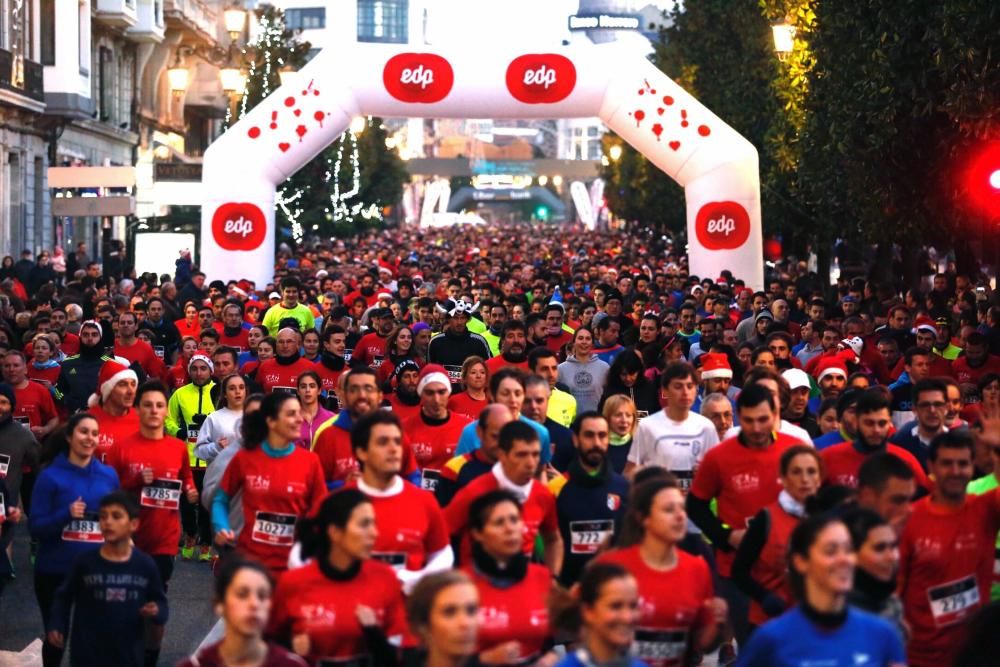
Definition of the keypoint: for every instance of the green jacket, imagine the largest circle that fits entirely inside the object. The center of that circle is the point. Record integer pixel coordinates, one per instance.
(186, 411)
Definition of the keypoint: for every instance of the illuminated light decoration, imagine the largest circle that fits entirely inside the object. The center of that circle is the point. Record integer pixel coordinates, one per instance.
(995, 179)
(716, 166)
(982, 179)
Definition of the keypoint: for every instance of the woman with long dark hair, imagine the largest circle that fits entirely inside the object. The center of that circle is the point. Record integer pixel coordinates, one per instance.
(221, 429)
(604, 617)
(513, 592)
(280, 483)
(64, 512)
(823, 627)
(626, 377)
(398, 346)
(680, 617)
(443, 613)
(308, 387)
(243, 596)
(877, 548)
(363, 601)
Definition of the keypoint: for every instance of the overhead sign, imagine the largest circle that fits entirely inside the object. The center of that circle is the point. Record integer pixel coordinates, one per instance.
(91, 177)
(85, 207)
(605, 22)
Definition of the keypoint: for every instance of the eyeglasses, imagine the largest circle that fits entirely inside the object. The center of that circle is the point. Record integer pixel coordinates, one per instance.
(936, 405)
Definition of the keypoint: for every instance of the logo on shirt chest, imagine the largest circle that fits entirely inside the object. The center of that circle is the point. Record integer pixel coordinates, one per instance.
(318, 615)
(493, 618)
(927, 548)
(257, 482)
(745, 481)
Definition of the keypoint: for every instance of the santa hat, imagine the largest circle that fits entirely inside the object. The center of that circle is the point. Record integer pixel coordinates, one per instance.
(715, 365)
(830, 366)
(433, 373)
(201, 355)
(111, 373)
(854, 344)
(924, 323)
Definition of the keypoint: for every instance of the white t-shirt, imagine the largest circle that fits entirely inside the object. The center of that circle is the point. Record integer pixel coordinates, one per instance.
(677, 446)
(787, 428)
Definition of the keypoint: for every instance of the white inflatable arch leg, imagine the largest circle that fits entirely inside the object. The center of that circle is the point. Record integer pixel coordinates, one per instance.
(716, 166)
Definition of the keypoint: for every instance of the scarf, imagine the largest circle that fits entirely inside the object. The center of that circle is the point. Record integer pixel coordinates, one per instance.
(791, 505)
(332, 361)
(521, 491)
(287, 361)
(616, 440)
(499, 575)
(51, 363)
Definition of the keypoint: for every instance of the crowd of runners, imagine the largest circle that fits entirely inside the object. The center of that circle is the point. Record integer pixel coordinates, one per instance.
(529, 445)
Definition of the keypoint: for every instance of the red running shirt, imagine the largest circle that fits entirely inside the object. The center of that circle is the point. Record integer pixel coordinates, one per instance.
(112, 429)
(272, 376)
(671, 605)
(34, 405)
(518, 613)
(160, 502)
(945, 572)
(463, 404)
(538, 512)
(743, 479)
(842, 462)
(433, 445)
(308, 602)
(410, 526)
(277, 491)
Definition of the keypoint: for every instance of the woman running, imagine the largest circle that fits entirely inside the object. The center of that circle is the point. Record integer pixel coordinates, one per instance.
(475, 380)
(341, 606)
(280, 482)
(822, 629)
(620, 412)
(64, 512)
(443, 613)
(308, 387)
(877, 548)
(680, 616)
(221, 429)
(760, 567)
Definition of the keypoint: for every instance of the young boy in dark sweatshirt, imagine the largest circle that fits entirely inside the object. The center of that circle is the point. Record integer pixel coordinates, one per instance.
(115, 589)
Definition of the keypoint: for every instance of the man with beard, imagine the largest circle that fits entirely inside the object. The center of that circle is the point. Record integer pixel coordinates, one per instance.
(137, 351)
(166, 337)
(496, 317)
(289, 306)
(590, 497)
(234, 329)
(111, 406)
(370, 350)
(78, 375)
(366, 290)
(434, 432)
(456, 343)
(405, 401)
(556, 337)
(281, 373)
(842, 462)
(332, 442)
(70, 341)
(946, 554)
(514, 345)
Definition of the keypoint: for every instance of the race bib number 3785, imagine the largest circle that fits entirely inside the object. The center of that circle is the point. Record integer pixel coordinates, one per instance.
(162, 494)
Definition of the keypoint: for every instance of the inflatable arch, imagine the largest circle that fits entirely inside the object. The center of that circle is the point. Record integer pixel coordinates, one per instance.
(716, 166)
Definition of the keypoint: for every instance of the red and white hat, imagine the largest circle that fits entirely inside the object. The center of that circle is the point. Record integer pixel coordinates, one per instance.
(432, 373)
(111, 373)
(830, 366)
(201, 355)
(924, 323)
(715, 365)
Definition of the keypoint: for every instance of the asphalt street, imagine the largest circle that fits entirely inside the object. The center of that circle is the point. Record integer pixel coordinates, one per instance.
(189, 594)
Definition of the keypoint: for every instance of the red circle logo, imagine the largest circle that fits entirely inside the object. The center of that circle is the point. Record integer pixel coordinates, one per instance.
(541, 78)
(238, 226)
(722, 225)
(421, 78)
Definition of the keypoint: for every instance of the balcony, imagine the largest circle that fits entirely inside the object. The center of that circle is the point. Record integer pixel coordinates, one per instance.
(192, 16)
(150, 26)
(20, 76)
(116, 13)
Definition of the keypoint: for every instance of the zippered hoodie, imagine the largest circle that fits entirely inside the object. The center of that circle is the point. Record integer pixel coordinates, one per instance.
(585, 379)
(58, 487)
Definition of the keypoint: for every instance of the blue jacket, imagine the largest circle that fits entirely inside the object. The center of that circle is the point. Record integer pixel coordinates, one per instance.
(58, 486)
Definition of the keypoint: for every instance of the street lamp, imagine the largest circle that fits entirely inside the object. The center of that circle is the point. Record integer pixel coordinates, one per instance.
(232, 79)
(177, 76)
(784, 38)
(235, 17)
(615, 153)
(358, 124)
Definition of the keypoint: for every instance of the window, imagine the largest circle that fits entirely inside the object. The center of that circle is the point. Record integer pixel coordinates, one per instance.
(594, 150)
(383, 21)
(48, 30)
(104, 87)
(593, 131)
(305, 18)
(126, 85)
(84, 37)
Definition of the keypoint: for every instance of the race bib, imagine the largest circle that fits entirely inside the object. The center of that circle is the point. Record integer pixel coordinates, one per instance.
(162, 494)
(454, 373)
(290, 391)
(192, 434)
(4, 465)
(377, 361)
(274, 529)
(953, 601)
(394, 558)
(87, 529)
(23, 421)
(158, 351)
(348, 354)
(588, 536)
(429, 479)
(660, 647)
(641, 414)
(684, 479)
